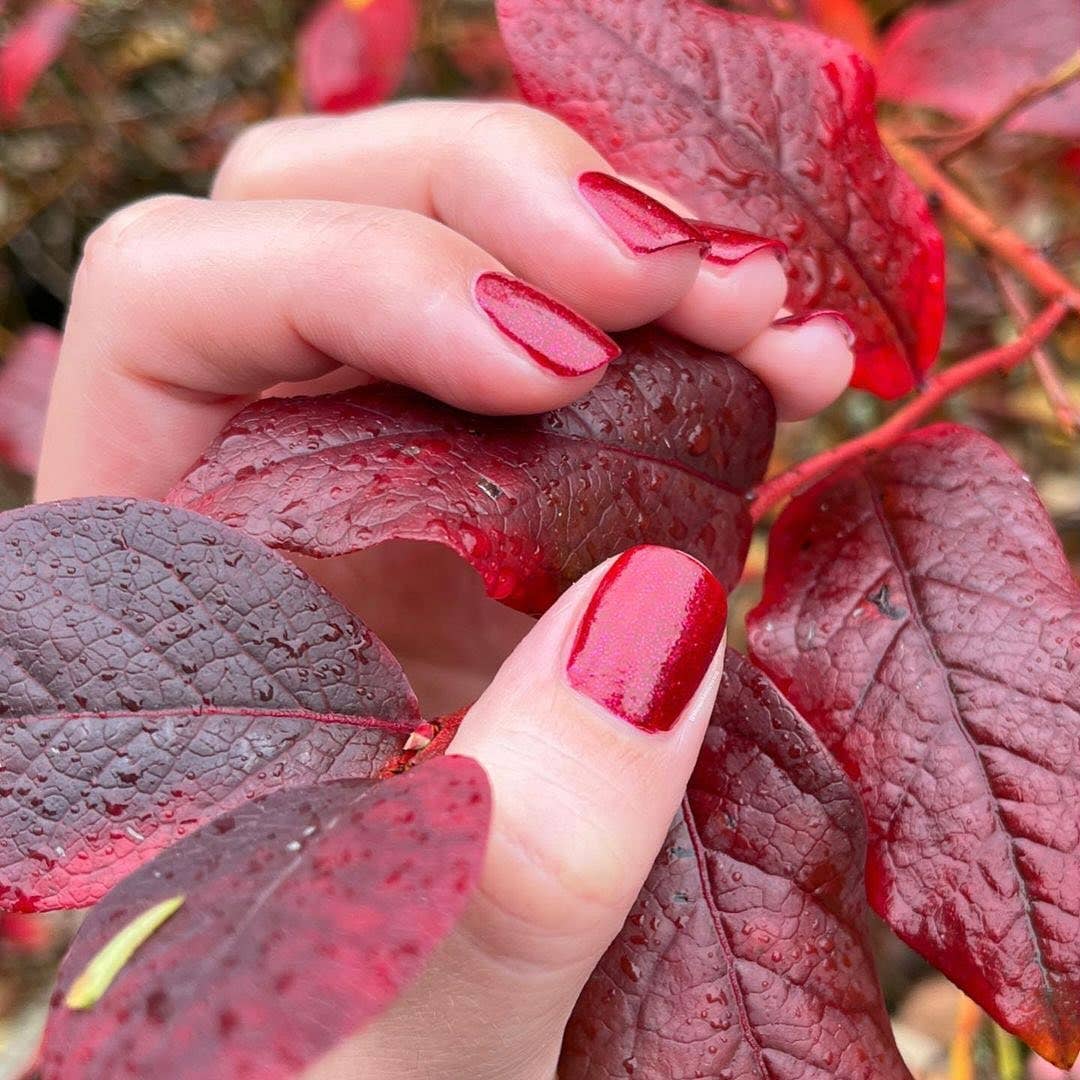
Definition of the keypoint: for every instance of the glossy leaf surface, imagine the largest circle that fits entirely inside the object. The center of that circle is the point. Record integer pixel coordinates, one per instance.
(921, 613)
(157, 669)
(746, 954)
(25, 381)
(969, 57)
(758, 124)
(660, 452)
(352, 53)
(304, 915)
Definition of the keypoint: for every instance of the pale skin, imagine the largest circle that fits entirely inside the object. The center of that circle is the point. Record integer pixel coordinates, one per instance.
(334, 251)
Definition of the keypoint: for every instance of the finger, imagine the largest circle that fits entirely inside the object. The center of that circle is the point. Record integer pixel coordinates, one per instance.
(184, 309)
(514, 180)
(588, 734)
(806, 361)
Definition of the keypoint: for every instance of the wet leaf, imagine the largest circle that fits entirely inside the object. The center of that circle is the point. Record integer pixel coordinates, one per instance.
(920, 611)
(758, 124)
(25, 382)
(157, 669)
(660, 452)
(306, 913)
(747, 953)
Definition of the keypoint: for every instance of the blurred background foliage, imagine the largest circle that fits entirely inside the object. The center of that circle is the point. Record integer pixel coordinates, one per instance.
(126, 98)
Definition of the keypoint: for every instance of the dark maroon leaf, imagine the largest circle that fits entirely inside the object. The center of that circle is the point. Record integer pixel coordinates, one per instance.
(757, 124)
(352, 53)
(921, 613)
(30, 49)
(746, 955)
(156, 669)
(25, 381)
(970, 57)
(660, 452)
(304, 915)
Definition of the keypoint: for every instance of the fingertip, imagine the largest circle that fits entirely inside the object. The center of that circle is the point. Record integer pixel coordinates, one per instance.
(806, 362)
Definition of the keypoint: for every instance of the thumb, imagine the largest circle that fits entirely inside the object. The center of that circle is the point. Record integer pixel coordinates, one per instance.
(588, 734)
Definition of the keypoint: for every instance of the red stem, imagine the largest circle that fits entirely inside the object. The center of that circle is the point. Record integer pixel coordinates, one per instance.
(938, 388)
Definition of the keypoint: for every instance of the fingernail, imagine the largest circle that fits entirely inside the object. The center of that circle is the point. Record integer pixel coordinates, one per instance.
(730, 246)
(793, 322)
(647, 638)
(557, 338)
(644, 225)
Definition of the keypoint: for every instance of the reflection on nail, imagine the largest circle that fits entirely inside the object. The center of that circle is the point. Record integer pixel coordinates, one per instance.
(727, 247)
(793, 322)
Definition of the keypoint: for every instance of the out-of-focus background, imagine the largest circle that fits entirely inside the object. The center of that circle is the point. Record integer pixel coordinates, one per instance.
(106, 101)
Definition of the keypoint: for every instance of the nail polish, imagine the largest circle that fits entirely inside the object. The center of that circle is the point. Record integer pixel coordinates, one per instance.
(642, 223)
(793, 322)
(727, 247)
(557, 338)
(647, 638)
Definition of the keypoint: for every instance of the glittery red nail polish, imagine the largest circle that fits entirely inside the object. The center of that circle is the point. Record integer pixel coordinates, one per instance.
(730, 246)
(793, 322)
(648, 636)
(554, 336)
(638, 220)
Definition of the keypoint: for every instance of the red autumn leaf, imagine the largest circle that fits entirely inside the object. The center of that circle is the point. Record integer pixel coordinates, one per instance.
(969, 57)
(661, 452)
(157, 669)
(757, 124)
(921, 613)
(352, 53)
(847, 20)
(25, 381)
(362, 879)
(30, 49)
(746, 954)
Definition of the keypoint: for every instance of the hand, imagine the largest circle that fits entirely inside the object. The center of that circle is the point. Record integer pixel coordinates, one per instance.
(335, 250)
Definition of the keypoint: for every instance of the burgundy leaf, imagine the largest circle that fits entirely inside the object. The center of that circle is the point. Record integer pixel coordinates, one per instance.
(157, 669)
(757, 124)
(352, 53)
(746, 954)
(304, 915)
(30, 49)
(25, 381)
(921, 613)
(969, 57)
(661, 452)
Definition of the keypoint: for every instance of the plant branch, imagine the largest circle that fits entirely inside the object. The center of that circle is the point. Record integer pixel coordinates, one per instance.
(938, 388)
(1009, 248)
(1024, 98)
(1065, 411)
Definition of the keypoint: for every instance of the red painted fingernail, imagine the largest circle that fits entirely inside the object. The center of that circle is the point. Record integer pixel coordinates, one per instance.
(730, 246)
(648, 636)
(792, 322)
(557, 338)
(638, 220)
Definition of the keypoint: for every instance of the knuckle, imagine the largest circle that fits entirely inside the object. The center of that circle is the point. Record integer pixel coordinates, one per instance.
(115, 244)
(512, 120)
(252, 157)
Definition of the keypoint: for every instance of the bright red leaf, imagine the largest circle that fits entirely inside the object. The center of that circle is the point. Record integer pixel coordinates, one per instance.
(25, 382)
(30, 49)
(969, 57)
(157, 669)
(762, 125)
(848, 20)
(352, 53)
(921, 613)
(304, 915)
(661, 452)
(746, 954)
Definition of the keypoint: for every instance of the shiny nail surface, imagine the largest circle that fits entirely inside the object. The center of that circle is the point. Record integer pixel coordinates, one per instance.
(557, 338)
(727, 247)
(647, 638)
(644, 225)
(793, 322)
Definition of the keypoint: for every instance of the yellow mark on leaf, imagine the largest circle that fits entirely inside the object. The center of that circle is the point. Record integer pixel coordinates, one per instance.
(86, 991)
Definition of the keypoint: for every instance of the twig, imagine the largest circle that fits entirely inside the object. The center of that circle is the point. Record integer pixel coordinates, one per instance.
(1010, 248)
(1065, 411)
(938, 388)
(969, 1018)
(1024, 98)
(1010, 1063)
